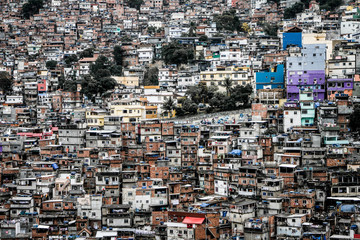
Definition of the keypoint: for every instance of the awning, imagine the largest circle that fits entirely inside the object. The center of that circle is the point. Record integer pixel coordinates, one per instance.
(193, 220)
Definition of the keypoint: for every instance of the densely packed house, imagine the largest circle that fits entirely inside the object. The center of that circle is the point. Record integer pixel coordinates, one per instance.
(112, 123)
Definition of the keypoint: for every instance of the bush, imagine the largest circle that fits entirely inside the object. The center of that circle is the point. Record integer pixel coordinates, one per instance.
(31, 8)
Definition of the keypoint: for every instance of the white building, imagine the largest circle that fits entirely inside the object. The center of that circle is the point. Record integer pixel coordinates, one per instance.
(292, 117)
(145, 55)
(349, 28)
(179, 231)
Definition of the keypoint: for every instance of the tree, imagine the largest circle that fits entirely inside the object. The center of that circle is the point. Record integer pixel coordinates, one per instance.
(192, 30)
(168, 106)
(135, 3)
(275, 1)
(330, 5)
(174, 53)
(68, 84)
(203, 38)
(271, 30)
(99, 80)
(101, 67)
(227, 85)
(32, 7)
(228, 21)
(354, 120)
(293, 10)
(118, 54)
(92, 87)
(51, 64)
(87, 53)
(151, 30)
(218, 100)
(115, 70)
(151, 77)
(201, 93)
(6, 82)
(245, 27)
(70, 59)
(241, 94)
(125, 38)
(188, 107)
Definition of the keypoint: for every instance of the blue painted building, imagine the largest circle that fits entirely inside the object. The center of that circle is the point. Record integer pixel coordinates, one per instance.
(270, 79)
(292, 37)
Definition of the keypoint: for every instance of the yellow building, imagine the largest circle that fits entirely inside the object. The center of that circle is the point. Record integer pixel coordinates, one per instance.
(133, 109)
(95, 117)
(216, 77)
(127, 81)
(151, 112)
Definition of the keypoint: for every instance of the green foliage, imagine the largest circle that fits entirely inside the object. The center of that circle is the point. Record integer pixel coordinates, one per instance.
(168, 106)
(6, 82)
(101, 67)
(118, 54)
(275, 1)
(175, 53)
(330, 5)
(92, 87)
(70, 60)
(135, 3)
(354, 119)
(203, 38)
(151, 77)
(192, 30)
(116, 70)
(234, 98)
(228, 21)
(218, 100)
(241, 94)
(271, 30)
(68, 84)
(99, 80)
(125, 39)
(201, 93)
(51, 64)
(151, 30)
(87, 53)
(306, 3)
(188, 108)
(227, 85)
(32, 7)
(293, 10)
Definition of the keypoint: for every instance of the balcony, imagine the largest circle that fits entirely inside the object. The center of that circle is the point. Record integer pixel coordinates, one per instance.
(336, 142)
(271, 189)
(129, 180)
(23, 205)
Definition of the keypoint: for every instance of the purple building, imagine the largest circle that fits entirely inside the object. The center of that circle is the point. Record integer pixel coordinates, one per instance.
(337, 86)
(307, 80)
(306, 71)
